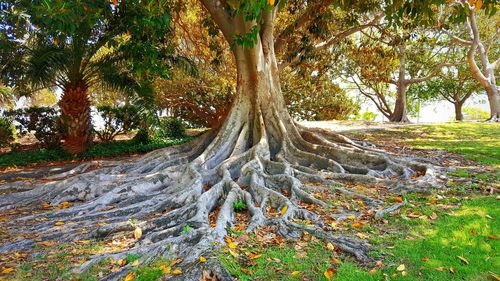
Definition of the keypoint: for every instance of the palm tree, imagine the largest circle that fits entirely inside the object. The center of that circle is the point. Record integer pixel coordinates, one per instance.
(93, 47)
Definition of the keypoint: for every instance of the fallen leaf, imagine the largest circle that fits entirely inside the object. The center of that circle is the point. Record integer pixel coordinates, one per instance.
(295, 273)
(357, 225)
(330, 246)
(65, 205)
(138, 233)
(46, 205)
(493, 236)
(130, 276)
(433, 216)
(404, 273)
(135, 263)
(464, 260)
(59, 223)
(398, 199)
(373, 271)
(271, 2)
(351, 217)
(7, 270)
(246, 271)
(233, 253)
(177, 271)
(440, 268)
(425, 259)
(203, 259)
(329, 272)
(401, 267)
(283, 210)
(121, 262)
(452, 270)
(165, 269)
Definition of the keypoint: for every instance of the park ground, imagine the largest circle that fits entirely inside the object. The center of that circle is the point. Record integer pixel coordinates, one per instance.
(451, 233)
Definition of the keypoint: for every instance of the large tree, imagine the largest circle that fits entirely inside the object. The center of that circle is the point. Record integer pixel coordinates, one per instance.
(482, 43)
(258, 155)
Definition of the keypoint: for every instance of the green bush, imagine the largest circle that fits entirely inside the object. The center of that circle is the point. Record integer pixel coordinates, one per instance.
(44, 121)
(171, 127)
(118, 120)
(142, 136)
(474, 113)
(7, 132)
(366, 116)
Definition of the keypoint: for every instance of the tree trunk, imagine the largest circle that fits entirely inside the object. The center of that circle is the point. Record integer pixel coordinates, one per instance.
(75, 114)
(400, 109)
(458, 111)
(494, 101)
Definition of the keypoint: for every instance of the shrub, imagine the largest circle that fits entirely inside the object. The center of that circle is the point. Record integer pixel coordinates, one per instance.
(7, 132)
(171, 127)
(366, 116)
(44, 121)
(118, 120)
(474, 113)
(142, 136)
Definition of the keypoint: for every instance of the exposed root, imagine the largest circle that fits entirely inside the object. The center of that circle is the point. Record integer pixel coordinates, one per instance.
(171, 193)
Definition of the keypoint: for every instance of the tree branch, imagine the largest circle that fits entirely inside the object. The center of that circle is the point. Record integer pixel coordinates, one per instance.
(220, 16)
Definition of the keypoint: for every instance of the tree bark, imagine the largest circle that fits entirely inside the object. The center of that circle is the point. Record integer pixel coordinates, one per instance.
(75, 114)
(494, 102)
(458, 111)
(400, 109)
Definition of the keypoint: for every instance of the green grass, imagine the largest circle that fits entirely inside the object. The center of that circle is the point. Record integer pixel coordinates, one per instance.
(477, 141)
(430, 250)
(99, 150)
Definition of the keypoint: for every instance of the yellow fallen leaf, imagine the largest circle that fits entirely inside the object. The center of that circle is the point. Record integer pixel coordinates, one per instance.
(7, 270)
(233, 253)
(330, 246)
(295, 273)
(47, 243)
(130, 276)
(373, 271)
(464, 260)
(65, 205)
(177, 272)
(135, 263)
(46, 205)
(283, 210)
(59, 223)
(329, 273)
(165, 269)
(401, 267)
(122, 262)
(404, 273)
(203, 259)
(231, 245)
(351, 217)
(138, 233)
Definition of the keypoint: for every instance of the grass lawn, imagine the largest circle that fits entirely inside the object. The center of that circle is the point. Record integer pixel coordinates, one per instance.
(476, 141)
(99, 150)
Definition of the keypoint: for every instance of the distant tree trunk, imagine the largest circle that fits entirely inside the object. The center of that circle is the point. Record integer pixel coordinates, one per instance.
(400, 113)
(75, 114)
(458, 111)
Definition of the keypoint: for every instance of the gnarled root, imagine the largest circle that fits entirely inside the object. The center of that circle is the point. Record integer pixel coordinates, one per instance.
(258, 159)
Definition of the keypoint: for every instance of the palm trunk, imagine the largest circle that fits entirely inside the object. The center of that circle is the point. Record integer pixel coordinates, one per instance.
(75, 109)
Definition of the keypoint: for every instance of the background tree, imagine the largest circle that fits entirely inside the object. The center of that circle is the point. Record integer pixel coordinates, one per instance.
(455, 85)
(78, 45)
(397, 56)
(482, 28)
